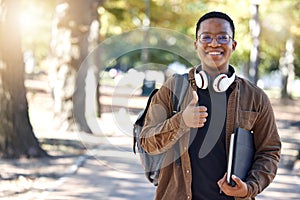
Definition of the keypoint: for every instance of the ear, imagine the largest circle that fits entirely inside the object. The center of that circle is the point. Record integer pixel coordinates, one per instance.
(234, 44)
(195, 45)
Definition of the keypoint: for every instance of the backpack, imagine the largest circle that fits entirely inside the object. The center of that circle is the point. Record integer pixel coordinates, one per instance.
(152, 163)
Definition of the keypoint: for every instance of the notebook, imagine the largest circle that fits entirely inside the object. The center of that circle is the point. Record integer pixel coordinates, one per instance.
(241, 153)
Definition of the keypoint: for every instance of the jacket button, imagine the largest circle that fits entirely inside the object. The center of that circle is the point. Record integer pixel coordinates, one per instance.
(187, 171)
(188, 197)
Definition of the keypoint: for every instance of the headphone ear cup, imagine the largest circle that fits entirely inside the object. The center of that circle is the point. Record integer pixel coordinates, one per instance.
(201, 79)
(222, 82)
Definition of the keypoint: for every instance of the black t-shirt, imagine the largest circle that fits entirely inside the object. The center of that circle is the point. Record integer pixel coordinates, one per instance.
(210, 165)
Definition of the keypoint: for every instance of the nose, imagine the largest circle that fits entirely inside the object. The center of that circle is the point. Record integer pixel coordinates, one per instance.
(214, 42)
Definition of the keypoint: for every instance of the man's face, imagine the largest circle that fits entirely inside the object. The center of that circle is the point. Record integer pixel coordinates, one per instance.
(214, 55)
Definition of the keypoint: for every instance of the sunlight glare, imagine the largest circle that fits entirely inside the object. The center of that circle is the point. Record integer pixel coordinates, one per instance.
(28, 18)
(27, 21)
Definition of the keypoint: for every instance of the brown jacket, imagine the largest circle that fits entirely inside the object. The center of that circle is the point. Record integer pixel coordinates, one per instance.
(162, 130)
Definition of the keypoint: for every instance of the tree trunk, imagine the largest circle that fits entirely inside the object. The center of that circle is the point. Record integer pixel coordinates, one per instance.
(70, 46)
(255, 49)
(287, 69)
(16, 134)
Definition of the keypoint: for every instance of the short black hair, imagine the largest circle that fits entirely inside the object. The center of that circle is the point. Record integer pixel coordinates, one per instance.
(215, 14)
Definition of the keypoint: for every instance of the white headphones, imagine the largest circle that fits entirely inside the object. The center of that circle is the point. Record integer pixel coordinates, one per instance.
(220, 84)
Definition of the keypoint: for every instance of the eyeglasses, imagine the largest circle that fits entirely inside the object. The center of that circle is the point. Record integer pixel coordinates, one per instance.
(206, 38)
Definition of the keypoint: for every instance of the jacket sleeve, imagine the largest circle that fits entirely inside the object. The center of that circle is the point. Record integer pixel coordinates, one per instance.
(268, 145)
(162, 129)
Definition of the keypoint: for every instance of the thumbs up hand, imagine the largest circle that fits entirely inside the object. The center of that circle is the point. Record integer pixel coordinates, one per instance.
(194, 116)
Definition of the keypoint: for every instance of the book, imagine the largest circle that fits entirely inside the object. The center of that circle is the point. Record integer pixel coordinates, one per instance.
(241, 153)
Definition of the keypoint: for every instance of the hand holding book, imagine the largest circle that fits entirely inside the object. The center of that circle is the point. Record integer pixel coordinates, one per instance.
(241, 152)
(239, 190)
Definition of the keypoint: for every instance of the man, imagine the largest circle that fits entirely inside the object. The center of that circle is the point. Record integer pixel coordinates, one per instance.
(216, 103)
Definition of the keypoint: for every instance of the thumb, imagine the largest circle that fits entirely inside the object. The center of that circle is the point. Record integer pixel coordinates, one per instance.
(236, 179)
(194, 101)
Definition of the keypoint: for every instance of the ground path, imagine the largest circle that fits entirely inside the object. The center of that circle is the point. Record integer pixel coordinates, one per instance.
(104, 167)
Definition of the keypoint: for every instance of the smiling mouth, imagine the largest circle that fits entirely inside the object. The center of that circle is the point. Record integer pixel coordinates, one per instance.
(214, 53)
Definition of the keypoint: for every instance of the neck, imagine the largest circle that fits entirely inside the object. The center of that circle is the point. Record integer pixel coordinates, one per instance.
(213, 72)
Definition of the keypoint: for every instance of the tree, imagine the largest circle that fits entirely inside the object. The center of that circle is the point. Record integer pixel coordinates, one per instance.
(280, 40)
(286, 65)
(74, 35)
(16, 134)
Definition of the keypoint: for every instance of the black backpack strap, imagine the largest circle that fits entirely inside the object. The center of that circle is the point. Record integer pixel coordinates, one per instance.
(181, 85)
(140, 120)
